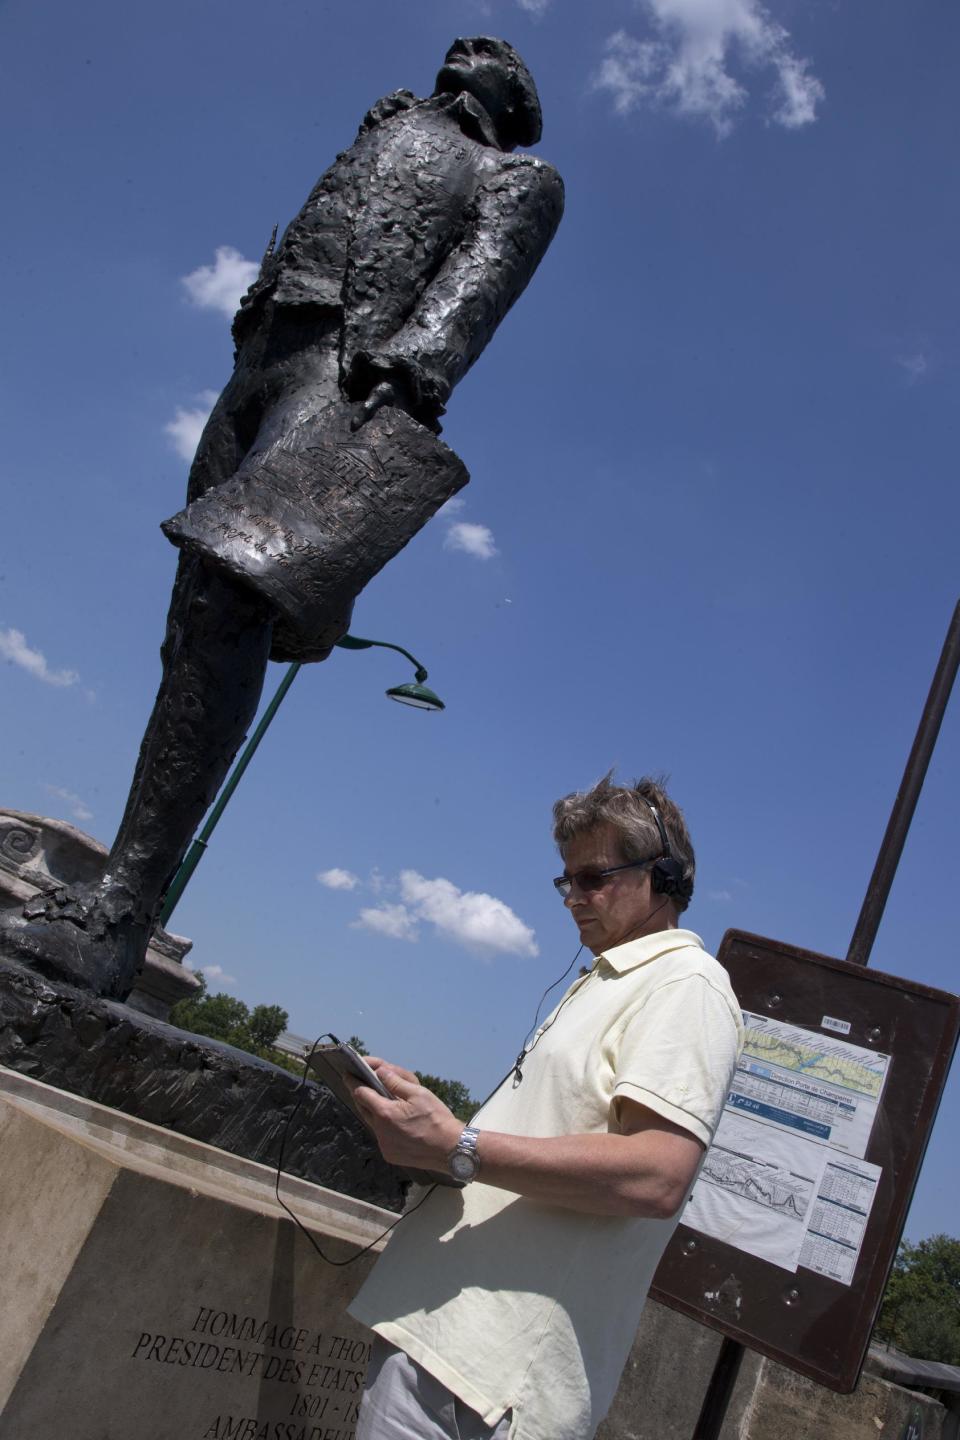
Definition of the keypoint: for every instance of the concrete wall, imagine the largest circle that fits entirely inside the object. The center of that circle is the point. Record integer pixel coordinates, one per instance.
(669, 1368)
(786, 1406)
(665, 1380)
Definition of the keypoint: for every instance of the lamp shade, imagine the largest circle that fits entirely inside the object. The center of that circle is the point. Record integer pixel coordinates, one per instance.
(419, 696)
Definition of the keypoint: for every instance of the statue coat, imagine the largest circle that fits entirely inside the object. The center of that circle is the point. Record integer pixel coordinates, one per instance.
(406, 256)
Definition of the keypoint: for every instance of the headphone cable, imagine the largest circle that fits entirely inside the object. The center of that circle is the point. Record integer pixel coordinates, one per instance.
(515, 1070)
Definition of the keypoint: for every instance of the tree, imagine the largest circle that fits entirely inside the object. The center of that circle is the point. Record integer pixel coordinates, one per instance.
(920, 1313)
(453, 1093)
(265, 1024)
(222, 1017)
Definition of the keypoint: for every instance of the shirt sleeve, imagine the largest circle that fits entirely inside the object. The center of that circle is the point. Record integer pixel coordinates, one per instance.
(678, 1053)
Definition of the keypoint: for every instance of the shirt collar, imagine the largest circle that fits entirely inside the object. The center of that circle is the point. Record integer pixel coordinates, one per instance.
(649, 947)
(472, 117)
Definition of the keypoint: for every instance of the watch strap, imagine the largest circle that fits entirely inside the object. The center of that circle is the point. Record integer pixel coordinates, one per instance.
(467, 1146)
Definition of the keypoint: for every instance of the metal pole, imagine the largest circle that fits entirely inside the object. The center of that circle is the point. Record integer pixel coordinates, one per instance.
(724, 1377)
(871, 913)
(715, 1402)
(193, 856)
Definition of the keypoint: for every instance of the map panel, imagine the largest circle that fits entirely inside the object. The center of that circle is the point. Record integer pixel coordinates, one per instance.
(815, 1085)
(756, 1189)
(785, 1177)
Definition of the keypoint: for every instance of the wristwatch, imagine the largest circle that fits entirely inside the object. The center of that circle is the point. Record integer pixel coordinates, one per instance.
(464, 1162)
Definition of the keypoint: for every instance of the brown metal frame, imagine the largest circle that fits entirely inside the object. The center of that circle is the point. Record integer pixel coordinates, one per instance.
(807, 1321)
(725, 1371)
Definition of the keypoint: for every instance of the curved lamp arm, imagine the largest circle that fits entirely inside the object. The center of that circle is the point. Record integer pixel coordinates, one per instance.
(414, 695)
(356, 642)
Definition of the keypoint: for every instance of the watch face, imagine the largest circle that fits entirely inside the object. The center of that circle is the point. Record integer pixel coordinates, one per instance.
(463, 1166)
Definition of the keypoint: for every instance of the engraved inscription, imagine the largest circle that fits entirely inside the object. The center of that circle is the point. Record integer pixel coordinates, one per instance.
(325, 1372)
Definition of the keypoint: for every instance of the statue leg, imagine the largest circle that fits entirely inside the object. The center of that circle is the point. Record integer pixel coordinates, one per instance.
(214, 660)
(215, 657)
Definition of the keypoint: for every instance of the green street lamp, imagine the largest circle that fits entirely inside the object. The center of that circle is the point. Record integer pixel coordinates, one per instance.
(417, 695)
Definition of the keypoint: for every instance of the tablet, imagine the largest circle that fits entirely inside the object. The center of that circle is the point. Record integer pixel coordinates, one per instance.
(330, 1063)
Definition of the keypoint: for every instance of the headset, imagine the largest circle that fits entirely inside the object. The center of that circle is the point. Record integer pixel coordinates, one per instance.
(666, 872)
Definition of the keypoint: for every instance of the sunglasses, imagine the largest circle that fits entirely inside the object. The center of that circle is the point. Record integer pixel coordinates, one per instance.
(593, 880)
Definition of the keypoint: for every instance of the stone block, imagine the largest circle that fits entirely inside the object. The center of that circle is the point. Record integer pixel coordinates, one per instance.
(154, 1288)
(666, 1377)
(786, 1405)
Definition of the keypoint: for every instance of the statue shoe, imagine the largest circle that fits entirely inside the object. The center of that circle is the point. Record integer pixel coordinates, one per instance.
(61, 936)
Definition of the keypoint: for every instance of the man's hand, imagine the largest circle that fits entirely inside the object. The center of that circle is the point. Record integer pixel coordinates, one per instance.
(415, 1129)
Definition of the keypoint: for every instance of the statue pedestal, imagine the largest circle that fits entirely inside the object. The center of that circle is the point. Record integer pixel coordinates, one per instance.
(114, 1056)
(154, 1288)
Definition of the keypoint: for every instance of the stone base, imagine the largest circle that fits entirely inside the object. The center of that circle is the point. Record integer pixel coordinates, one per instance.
(666, 1378)
(106, 1052)
(785, 1405)
(153, 1288)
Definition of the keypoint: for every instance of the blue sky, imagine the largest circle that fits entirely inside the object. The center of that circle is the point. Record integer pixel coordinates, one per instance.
(712, 524)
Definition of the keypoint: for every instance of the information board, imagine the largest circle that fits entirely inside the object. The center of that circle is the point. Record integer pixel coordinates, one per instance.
(793, 1224)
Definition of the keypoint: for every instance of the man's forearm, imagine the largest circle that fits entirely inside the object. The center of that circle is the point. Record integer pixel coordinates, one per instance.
(644, 1170)
(644, 1174)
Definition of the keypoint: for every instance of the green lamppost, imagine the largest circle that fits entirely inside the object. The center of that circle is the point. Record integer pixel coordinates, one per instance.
(416, 694)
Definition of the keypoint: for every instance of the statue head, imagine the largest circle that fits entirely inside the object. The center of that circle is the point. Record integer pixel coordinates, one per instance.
(493, 73)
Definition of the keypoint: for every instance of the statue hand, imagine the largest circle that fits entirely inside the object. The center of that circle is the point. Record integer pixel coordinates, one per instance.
(383, 394)
(377, 381)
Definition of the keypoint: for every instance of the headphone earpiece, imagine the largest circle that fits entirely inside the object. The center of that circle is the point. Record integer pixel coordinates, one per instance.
(666, 876)
(666, 872)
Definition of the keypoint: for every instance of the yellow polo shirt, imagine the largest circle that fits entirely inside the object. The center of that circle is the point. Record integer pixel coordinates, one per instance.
(517, 1305)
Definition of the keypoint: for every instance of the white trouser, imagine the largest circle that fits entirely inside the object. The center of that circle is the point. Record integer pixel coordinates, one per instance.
(403, 1402)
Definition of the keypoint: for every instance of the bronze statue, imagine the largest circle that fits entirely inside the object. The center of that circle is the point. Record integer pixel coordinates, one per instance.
(320, 459)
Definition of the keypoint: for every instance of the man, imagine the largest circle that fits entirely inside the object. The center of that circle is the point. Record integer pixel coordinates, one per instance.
(382, 293)
(508, 1307)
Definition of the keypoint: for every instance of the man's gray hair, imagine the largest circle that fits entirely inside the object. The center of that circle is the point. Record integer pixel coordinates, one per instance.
(627, 809)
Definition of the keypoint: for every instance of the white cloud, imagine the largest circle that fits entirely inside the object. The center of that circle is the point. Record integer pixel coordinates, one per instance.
(221, 286)
(393, 920)
(186, 427)
(534, 7)
(474, 920)
(470, 918)
(686, 67)
(14, 647)
(722, 897)
(914, 367)
(476, 540)
(453, 506)
(337, 879)
(213, 972)
(78, 809)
